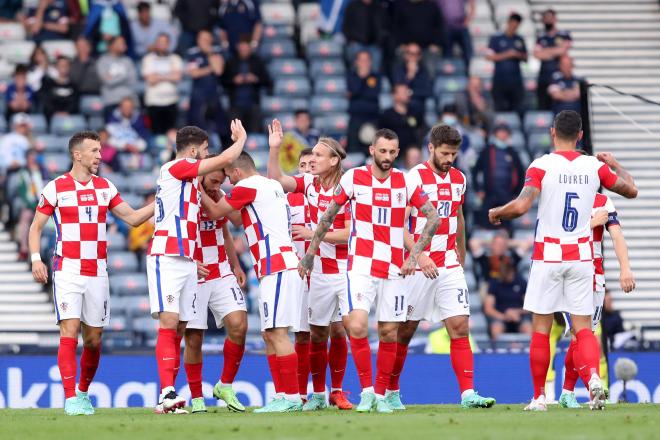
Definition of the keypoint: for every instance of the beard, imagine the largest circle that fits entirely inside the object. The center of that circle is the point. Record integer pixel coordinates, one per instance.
(444, 168)
(382, 165)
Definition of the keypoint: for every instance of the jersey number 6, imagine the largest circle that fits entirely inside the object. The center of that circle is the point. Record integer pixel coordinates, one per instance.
(570, 219)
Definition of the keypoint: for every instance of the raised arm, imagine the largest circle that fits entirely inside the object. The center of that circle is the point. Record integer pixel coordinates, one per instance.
(275, 136)
(325, 223)
(133, 217)
(625, 184)
(431, 226)
(39, 269)
(219, 209)
(239, 136)
(515, 208)
(626, 277)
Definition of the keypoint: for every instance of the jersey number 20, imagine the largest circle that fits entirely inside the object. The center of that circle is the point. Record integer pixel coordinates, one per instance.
(569, 222)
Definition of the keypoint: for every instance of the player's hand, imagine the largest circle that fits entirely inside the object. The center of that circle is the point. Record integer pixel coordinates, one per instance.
(40, 272)
(275, 134)
(427, 265)
(409, 266)
(493, 218)
(608, 158)
(202, 272)
(240, 277)
(599, 218)
(299, 232)
(627, 280)
(237, 130)
(305, 266)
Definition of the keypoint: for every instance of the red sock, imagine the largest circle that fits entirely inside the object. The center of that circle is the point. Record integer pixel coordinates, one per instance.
(589, 350)
(275, 373)
(462, 362)
(337, 358)
(302, 351)
(362, 358)
(194, 374)
(318, 363)
(288, 367)
(233, 354)
(384, 365)
(580, 367)
(539, 361)
(177, 358)
(166, 356)
(66, 361)
(570, 375)
(401, 353)
(89, 362)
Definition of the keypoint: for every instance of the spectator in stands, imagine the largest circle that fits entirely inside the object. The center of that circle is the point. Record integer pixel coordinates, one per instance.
(550, 46)
(109, 158)
(118, 75)
(236, 18)
(507, 49)
(48, 21)
(498, 174)
(414, 74)
(145, 31)
(126, 128)
(467, 156)
(363, 90)
(364, 27)
(205, 66)
(194, 16)
(457, 15)
(565, 87)
(245, 77)
(490, 254)
(418, 21)
(412, 157)
(83, 69)
(106, 21)
(481, 110)
(39, 67)
(162, 70)
(31, 181)
(503, 305)
(303, 131)
(401, 119)
(140, 236)
(611, 321)
(59, 93)
(13, 150)
(9, 10)
(19, 96)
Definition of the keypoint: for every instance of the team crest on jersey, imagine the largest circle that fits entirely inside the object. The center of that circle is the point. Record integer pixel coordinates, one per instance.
(105, 196)
(399, 197)
(64, 306)
(359, 296)
(170, 299)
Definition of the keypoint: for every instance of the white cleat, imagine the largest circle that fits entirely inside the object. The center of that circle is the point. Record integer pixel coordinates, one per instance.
(170, 401)
(537, 404)
(598, 397)
(160, 410)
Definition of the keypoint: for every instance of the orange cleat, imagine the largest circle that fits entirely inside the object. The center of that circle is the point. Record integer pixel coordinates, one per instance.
(338, 398)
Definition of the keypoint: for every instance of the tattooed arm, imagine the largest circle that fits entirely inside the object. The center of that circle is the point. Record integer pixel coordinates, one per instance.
(432, 222)
(515, 208)
(625, 184)
(306, 263)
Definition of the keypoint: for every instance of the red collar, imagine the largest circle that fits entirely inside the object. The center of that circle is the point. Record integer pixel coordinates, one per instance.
(569, 155)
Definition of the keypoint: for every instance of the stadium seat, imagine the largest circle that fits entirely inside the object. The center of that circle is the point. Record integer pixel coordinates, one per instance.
(96, 123)
(143, 183)
(56, 163)
(91, 105)
(509, 118)
(128, 283)
(536, 121)
(51, 143)
(18, 52)
(278, 14)
(335, 85)
(12, 32)
(539, 142)
(56, 48)
(119, 340)
(132, 306)
(309, 31)
(260, 159)
(145, 324)
(277, 49)
(324, 49)
(308, 13)
(256, 142)
(67, 125)
(39, 124)
(118, 323)
(116, 241)
(286, 119)
(321, 67)
(130, 162)
(449, 84)
(119, 262)
(321, 105)
(332, 124)
(283, 67)
(3, 125)
(292, 86)
(518, 141)
(354, 160)
(161, 12)
(273, 32)
(451, 66)
(484, 28)
(275, 104)
(136, 201)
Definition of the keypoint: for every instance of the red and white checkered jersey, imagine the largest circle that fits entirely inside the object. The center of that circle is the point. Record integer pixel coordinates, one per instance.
(267, 224)
(602, 202)
(177, 209)
(210, 249)
(568, 182)
(446, 193)
(378, 211)
(331, 258)
(79, 211)
(299, 211)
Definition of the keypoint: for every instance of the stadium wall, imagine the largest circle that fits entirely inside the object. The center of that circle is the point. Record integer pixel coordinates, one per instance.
(34, 381)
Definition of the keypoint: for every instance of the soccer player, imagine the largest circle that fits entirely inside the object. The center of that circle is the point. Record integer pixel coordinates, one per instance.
(439, 291)
(260, 205)
(327, 290)
(220, 291)
(604, 216)
(561, 276)
(171, 269)
(79, 202)
(378, 195)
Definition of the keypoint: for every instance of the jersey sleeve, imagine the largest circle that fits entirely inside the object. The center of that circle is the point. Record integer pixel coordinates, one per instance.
(48, 199)
(535, 174)
(416, 195)
(115, 197)
(344, 190)
(607, 176)
(612, 217)
(185, 169)
(241, 196)
(301, 183)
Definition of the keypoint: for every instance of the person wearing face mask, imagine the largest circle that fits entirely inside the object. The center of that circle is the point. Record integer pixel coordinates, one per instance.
(550, 47)
(498, 173)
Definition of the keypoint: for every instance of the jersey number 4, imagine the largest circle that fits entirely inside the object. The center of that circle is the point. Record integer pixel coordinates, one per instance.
(570, 219)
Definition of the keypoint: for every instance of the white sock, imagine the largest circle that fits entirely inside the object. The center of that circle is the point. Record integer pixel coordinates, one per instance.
(224, 384)
(565, 391)
(166, 390)
(467, 393)
(368, 390)
(292, 397)
(332, 390)
(320, 394)
(594, 375)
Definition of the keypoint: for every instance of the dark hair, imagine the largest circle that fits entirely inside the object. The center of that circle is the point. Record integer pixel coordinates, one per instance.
(305, 152)
(142, 6)
(450, 108)
(190, 135)
(443, 134)
(243, 162)
(550, 11)
(62, 57)
(568, 124)
(245, 38)
(21, 69)
(385, 133)
(300, 111)
(78, 138)
(163, 34)
(516, 17)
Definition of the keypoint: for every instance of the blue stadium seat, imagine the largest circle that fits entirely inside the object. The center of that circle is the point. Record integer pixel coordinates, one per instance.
(256, 142)
(119, 340)
(128, 283)
(536, 121)
(539, 142)
(39, 124)
(278, 13)
(449, 84)
(143, 183)
(451, 66)
(276, 104)
(91, 105)
(260, 159)
(67, 125)
(354, 160)
(132, 306)
(283, 67)
(509, 118)
(118, 323)
(119, 262)
(134, 200)
(3, 123)
(321, 105)
(287, 120)
(292, 86)
(130, 162)
(334, 85)
(324, 49)
(122, 182)
(326, 67)
(145, 324)
(96, 123)
(277, 49)
(56, 163)
(332, 124)
(273, 32)
(116, 241)
(51, 143)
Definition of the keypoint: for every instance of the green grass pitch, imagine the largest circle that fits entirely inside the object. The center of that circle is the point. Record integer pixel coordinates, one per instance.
(632, 421)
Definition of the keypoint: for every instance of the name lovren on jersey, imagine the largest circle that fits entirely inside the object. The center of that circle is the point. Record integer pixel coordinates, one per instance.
(574, 179)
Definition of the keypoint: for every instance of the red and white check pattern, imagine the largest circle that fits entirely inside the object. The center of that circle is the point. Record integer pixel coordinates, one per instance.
(264, 211)
(378, 210)
(210, 249)
(299, 211)
(177, 209)
(79, 211)
(446, 193)
(332, 258)
(602, 202)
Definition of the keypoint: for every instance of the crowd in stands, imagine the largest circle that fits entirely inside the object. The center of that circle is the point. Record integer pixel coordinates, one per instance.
(135, 71)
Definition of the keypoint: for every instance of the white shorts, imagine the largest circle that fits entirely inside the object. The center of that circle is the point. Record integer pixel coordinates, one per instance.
(389, 295)
(303, 320)
(560, 287)
(223, 296)
(328, 297)
(172, 286)
(438, 299)
(279, 300)
(81, 297)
